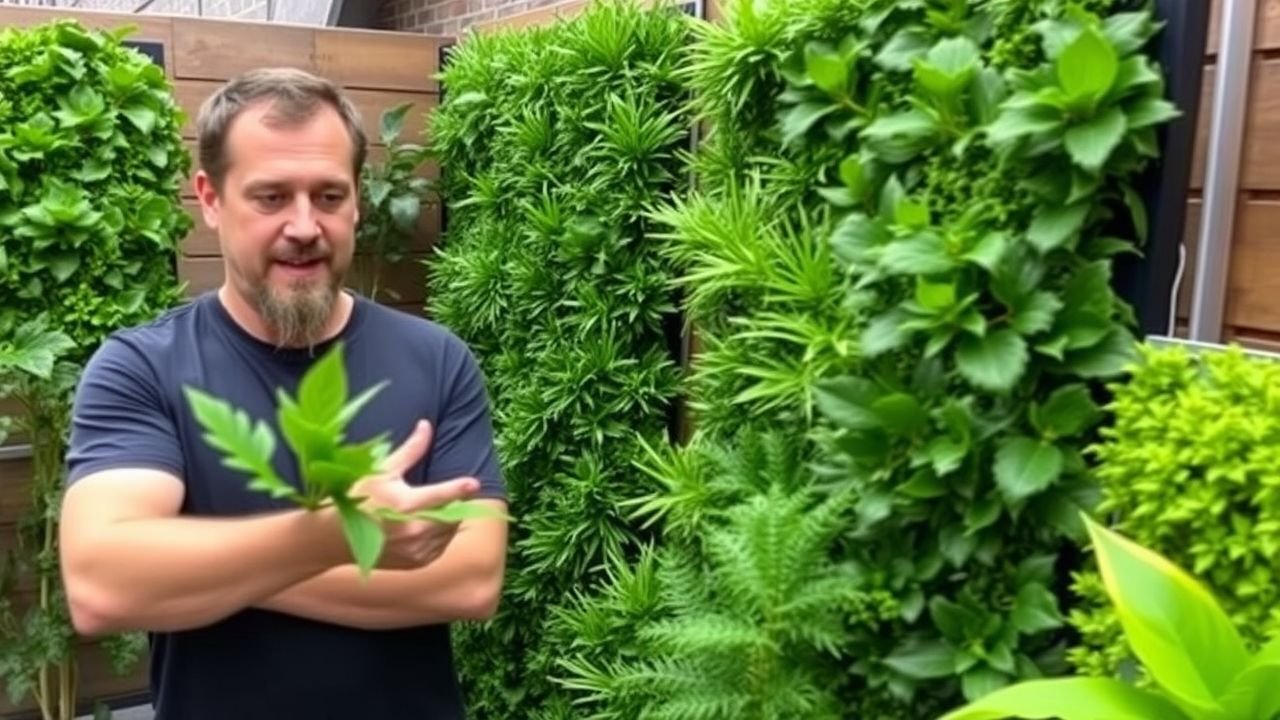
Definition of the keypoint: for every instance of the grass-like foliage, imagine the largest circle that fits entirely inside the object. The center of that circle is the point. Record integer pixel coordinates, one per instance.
(555, 143)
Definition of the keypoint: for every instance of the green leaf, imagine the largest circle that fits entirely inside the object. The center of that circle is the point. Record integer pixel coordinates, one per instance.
(989, 250)
(1092, 142)
(826, 69)
(922, 660)
(853, 176)
(142, 117)
(1069, 699)
(1150, 111)
(899, 138)
(391, 124)
(1036, 313)
(1255, 692)
(1052, 227)
(924, 253)
(63, 264)
(1137, 211)
(848, 402)
(935, 296)
(1025, 467)
(903, 48)
(1108, 358)
(995, 362)
(797, 121)
(453, 512)
(883, 334)
(34, 349)
(981, 681)
(1035, 610)
(405, 210)
(158, 155)
(1171, 621)
(1068, 412)
(364, 535)
(247, 446)
(1087, 67)
(1014, 123)
(323, 389)
(900, 413)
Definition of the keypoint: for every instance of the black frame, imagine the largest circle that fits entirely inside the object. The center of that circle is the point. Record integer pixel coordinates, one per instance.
(1147, 282)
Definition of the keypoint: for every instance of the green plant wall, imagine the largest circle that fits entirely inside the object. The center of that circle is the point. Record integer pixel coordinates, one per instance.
(900, 252)
(91, 165)
(554, 143)
(1188, 468)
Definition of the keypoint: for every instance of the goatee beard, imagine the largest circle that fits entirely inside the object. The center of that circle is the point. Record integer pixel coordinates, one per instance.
(298, 316)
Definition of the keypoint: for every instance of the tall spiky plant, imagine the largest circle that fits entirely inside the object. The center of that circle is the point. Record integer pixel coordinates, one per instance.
(555, 141)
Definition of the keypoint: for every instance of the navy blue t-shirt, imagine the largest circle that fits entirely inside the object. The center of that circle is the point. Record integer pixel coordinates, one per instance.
(130, 411)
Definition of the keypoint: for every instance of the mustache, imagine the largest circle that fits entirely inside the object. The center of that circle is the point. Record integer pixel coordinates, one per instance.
(302, 256)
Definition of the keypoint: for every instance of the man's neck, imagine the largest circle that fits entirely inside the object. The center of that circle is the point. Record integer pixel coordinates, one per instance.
(248, 318)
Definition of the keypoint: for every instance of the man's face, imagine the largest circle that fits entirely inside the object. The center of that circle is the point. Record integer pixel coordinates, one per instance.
(286, 218)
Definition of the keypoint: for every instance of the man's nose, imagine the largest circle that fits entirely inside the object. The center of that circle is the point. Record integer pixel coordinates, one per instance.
(302, 225)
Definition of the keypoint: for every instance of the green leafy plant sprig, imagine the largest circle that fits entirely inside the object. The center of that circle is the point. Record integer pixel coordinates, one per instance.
(1172, 622)
(314, 426)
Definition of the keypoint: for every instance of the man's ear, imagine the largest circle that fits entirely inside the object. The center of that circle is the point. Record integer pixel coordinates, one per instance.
(207, 194)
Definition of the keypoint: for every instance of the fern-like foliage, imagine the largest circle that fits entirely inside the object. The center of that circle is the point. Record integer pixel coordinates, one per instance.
(747, 617)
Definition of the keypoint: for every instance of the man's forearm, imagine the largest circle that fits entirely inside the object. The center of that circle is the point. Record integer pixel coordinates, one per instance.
(463, 584)
(163, 574)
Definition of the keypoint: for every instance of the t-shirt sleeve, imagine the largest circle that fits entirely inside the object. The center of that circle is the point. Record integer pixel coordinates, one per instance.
(463, 443)
(118, 417)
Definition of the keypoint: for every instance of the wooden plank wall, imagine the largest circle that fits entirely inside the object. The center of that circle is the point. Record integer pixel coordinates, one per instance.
(567, 8)
(1252, 313)
(378, 69)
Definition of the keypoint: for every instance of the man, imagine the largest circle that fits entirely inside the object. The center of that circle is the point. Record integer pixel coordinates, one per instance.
(255, 608)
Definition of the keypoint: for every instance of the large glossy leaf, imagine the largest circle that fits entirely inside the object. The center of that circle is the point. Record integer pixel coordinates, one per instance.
(1255, 692)
(1171, 621)
(1070, 699)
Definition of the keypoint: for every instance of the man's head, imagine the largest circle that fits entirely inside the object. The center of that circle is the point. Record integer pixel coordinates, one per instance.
(280, 156)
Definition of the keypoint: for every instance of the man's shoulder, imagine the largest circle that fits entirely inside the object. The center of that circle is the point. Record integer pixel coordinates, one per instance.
(417, 331)
(148, 339)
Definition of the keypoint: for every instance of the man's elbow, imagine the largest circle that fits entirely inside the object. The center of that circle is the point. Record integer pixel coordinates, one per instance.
(93, 612)
(483, 598)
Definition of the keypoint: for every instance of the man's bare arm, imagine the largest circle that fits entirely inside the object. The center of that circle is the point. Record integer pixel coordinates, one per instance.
(464, 583)
(130, 563)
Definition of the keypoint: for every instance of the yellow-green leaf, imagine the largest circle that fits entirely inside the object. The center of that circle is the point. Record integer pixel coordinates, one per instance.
(1070, 699)
(1171, 621)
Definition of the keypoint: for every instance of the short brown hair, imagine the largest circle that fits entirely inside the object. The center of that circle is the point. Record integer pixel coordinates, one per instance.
(295, 96)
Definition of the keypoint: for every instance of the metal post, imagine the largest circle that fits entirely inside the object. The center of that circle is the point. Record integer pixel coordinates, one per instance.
(1222, 170)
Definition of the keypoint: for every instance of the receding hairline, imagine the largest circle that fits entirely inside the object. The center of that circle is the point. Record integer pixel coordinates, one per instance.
(291, 98)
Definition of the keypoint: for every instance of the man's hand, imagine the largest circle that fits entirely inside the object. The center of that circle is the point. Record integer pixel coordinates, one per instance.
(414, 543)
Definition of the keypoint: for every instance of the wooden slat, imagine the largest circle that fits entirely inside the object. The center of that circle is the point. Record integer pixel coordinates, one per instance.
(1261, 153)
(1253, 295)
(191, 94)
(1267, 23)
(378, 60)
(15, 488)
(218, 49)
(408, 278)
(149, 27)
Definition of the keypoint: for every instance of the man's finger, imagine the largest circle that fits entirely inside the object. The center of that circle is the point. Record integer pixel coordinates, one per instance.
(434, 495)
(411, 450)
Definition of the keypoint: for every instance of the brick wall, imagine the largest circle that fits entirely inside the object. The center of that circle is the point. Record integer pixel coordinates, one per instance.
(449, 17)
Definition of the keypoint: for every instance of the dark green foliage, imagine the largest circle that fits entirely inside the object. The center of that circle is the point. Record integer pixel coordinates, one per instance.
(984, 204)
(91, 160)
(555, 142)
(904, 222)
(1188, 468)
(392, 195)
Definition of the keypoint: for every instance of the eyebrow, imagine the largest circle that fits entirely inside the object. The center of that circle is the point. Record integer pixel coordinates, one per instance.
(259, 185)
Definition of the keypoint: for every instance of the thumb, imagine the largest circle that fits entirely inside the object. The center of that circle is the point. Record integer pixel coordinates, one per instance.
(422, 497)
(411, 451)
